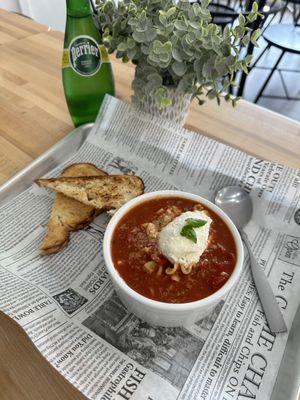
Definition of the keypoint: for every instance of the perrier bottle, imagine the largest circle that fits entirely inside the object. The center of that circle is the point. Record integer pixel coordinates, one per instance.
(87, 73)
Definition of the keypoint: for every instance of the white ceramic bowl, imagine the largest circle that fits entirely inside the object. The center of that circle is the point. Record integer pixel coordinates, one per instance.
(156, 312)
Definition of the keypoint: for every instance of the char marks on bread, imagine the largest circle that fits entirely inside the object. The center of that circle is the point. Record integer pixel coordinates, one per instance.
(101, 192)
(69, 214)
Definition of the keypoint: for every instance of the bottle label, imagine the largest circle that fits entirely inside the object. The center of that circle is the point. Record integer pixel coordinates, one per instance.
(84, 56)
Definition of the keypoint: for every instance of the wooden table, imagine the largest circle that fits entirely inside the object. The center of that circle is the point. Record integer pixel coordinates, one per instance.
(34, 115)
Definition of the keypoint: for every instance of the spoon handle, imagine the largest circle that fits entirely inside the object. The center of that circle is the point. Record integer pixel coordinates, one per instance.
(264, 290)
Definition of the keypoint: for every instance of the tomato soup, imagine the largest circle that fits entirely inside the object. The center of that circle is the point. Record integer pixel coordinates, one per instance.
(138, 258)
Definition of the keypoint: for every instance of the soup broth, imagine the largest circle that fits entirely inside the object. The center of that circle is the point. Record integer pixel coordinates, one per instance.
(137, 257)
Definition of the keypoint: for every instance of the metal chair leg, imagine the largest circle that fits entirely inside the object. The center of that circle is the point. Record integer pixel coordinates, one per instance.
(284, 85)
(269, 77)
(242, 82)
(244, 76)
(260, 56)
(283, 11)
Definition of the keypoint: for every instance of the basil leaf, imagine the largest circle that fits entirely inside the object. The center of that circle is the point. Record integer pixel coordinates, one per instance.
(195, 223)
(189, 233)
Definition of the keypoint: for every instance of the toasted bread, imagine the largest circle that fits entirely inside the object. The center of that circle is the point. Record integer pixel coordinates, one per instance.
(68, 214)
(108, 192)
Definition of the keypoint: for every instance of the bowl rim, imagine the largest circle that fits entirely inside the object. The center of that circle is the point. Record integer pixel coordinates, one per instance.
(159, 305)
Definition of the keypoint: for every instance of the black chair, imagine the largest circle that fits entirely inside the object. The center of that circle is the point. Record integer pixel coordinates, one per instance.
(226, 12)
(286, 38)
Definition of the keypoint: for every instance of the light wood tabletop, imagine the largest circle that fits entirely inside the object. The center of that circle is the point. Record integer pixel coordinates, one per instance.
(34, 115)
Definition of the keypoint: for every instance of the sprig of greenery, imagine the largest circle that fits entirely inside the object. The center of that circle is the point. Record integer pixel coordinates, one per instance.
(177, 45)
(188, 229)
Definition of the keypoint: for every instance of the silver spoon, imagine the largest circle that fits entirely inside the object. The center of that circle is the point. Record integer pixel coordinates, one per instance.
(238, 205)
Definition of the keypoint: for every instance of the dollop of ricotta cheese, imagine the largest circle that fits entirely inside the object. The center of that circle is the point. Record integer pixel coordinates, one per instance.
(179, 249)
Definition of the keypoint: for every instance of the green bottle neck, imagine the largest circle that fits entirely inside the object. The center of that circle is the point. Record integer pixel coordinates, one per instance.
(78, 8)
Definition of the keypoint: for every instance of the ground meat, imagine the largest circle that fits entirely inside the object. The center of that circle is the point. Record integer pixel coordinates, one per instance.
(163, 217)
(151, 230)
(145, 237)
(198, 207)
(167, 215)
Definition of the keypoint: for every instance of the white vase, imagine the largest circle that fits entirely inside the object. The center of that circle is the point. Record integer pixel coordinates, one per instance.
(176, 112)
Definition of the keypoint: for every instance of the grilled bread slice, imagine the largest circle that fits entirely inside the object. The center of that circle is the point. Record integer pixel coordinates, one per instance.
(101, 192)
(68, 214)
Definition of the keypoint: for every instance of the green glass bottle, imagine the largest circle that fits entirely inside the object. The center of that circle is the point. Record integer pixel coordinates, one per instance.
(86, 70)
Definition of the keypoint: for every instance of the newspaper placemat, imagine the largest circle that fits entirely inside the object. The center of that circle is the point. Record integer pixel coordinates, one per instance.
(66, 303)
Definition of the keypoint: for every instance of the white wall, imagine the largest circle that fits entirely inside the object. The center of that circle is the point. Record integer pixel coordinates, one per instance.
(48, 12)
(11, 5)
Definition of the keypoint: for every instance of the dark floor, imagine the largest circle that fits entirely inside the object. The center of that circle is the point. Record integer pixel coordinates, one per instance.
(256, 78)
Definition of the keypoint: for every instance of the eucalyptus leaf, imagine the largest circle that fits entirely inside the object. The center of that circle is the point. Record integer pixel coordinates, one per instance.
(225, 49)
(139, 37)
(171, 11)
(255, 35)
(130, 43)
(150, 34)
(196, 9)
(163, 20)
(246, 40)
(145, 49)
(194, 25)
(226, 32)
(179, 68)
(242, 20)
(165, 57)
(122, 46)
(155, 78)
(239, 30)
(169, 30)
(131, 53)
(180, 25)
(177, 54)
(191, 14)
(176, 43)
(207, 69)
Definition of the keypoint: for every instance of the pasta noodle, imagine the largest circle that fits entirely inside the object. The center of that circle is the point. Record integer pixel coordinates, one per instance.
(172, 270)
(186, 269)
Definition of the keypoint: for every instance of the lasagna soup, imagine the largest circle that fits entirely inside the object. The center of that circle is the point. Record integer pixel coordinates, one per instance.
(173, 250)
